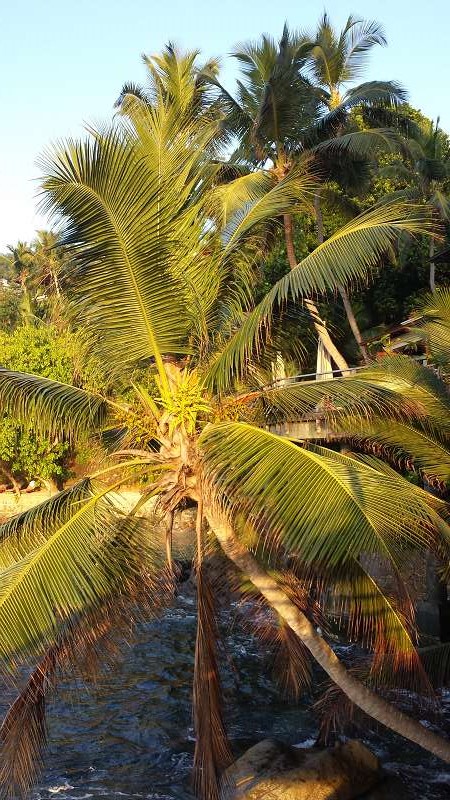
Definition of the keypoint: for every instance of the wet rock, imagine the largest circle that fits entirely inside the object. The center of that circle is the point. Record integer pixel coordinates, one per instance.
(275, 770)
(391, 788)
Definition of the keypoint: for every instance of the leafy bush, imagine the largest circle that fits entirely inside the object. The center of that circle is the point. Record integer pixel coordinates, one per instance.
(24, 453)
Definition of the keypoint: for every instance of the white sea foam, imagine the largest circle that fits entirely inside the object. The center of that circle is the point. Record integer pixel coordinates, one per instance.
(307, 743)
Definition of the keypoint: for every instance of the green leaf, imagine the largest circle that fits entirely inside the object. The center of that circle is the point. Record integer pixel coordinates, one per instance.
(324, 509)
(60, 558)
(50, 406)
(347, 255)
(120, 227)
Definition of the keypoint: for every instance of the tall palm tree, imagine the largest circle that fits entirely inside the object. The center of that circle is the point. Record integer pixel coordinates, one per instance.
(338, 59)
(162, 289)
(289, 102)
(273, 107)
(48, 259)
(425, 176)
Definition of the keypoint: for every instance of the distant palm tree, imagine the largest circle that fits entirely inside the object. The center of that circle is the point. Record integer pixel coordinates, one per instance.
(161, 287)
(338, 59)
(426, 175)
(289, 104)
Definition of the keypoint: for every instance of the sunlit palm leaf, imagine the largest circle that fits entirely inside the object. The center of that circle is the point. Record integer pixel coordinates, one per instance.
(347, 255)
(436, 325)
(355, 507)
(119, 225)
(294, 192)
(408, 445)
(59, 559)
(50, 406)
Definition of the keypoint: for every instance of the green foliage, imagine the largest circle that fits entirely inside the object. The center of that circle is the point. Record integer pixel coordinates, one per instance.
(25, 452)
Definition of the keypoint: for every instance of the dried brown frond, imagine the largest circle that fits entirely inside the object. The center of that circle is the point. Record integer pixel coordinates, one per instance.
(212, 752)
(289, 656)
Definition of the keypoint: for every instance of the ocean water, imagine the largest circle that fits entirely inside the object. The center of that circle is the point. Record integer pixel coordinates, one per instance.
(131, 736)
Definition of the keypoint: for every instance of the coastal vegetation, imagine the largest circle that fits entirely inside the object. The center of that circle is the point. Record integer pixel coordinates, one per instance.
(205, 242)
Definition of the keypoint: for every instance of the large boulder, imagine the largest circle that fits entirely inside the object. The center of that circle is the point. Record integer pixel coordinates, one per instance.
(275, 770)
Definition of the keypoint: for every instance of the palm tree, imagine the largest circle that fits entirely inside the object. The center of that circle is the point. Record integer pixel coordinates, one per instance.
(425, 175)
(337, 60)
(22, 259)
(162, 289)
(289, 103)
(49, 259)
(273, 108)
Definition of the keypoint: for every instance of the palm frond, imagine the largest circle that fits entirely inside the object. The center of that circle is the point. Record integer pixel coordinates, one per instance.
(212, 752)
(294, 192)
(408, 446)
(57, 560)
(86, 645)
(49, 405)
(436, 325)
(362, 144)
(344, 403)
(347, 255)
(123, 222)
(322, 509)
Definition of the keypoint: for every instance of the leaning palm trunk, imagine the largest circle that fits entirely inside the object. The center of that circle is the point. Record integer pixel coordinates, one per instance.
(373, 705)
(310, 305)
(432, 266)
(342, 291)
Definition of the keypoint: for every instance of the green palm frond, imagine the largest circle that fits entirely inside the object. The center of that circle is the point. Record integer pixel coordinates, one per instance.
(294, 192)
(347, 255)
(58, 559)
(436, 325)
(341, 56)
(417, 384)
(362, 144)
(120, 227)
(356, 508)
(382, 624)
(427, 450)
(388, 93)
(344, 403)
(49, 405)
(228, 198)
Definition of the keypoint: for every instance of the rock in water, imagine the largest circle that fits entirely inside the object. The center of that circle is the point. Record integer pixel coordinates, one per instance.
(274, 770)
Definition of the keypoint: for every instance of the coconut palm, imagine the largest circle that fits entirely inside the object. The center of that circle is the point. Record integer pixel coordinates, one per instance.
(338, 59)
(162, 290)
(290, 101)
(426, 176)
(273, 108)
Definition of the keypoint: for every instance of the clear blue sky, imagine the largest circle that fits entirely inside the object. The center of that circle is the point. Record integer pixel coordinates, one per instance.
(63, 63)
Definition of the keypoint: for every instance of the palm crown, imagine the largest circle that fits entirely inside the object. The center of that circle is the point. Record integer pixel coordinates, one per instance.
(161, 284)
